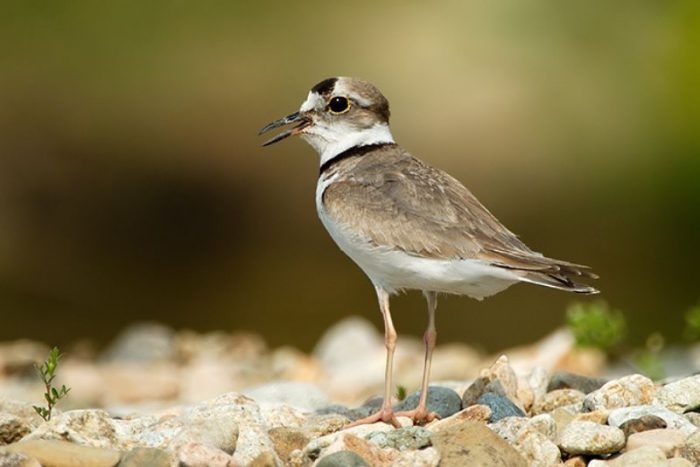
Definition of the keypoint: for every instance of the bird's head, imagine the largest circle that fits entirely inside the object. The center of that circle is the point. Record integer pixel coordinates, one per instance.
(338, 114)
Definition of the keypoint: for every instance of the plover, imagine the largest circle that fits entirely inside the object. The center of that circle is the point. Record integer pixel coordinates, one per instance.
(407, 225)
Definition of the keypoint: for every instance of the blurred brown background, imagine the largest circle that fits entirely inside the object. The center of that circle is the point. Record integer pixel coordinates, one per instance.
(133, 186)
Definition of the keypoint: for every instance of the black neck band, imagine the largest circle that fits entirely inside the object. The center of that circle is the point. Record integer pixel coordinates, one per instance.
(351, 152)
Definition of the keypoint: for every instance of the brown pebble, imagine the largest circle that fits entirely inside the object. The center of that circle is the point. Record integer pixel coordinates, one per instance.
(285, 440)
(576, 461)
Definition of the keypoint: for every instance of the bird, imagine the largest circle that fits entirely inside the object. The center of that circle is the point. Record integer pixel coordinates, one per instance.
(406, 224)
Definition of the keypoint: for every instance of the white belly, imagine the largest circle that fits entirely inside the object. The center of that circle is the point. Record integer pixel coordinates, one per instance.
(395, 270)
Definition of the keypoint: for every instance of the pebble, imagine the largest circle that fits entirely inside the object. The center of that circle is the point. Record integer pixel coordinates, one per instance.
(264, 459)
(544, 424)
(317, 425)
(597, 416)
(215, 431)
(623, 392)
(22, 410)
(693, 417)
(680, 396)
(562, 417)
(12, 428)
(151, 457)
(142, 342)
(428, 457)
(479, 413)
(508, 428)
(537, 381)
(443, 401)
(673, 420)
(63, 453)
(557, 398)
(318, 446)
(502, 372)
(369, 452)
(342, 459)
(500, 406)
(472, 443)
(647, 456)
(537, 449)
(286, 440)
(411, 437)
(566, 380)
(303, 396)
(576, 461)
(201, 455)
(668, 440)
(643, 423)
(589, 438)
(691, 449)
(474, 390)
(17, 459)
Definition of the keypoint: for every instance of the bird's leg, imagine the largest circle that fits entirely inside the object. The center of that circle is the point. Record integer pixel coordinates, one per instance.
(386, 413)
(420, 414)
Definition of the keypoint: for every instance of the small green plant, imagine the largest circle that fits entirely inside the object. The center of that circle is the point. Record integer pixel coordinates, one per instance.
(596, 325)
(692, 323)
(401, 392)
(649, 359)
(47, 373)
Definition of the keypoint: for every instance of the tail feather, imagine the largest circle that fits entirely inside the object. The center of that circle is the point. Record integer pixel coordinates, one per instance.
(557, 281)
(538, 269)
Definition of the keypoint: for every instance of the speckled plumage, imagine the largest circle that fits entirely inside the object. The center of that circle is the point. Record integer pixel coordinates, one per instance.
(397, 201)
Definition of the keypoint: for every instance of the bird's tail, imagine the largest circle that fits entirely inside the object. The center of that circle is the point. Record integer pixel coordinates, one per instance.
(557, 281)
(537, 269)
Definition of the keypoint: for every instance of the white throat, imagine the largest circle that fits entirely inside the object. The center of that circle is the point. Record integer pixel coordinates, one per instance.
(329, 142)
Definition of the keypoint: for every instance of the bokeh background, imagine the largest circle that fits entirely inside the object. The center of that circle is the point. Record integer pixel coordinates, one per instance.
(133, 185)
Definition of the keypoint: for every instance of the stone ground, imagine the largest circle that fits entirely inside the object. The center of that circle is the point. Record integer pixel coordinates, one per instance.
(156, 397)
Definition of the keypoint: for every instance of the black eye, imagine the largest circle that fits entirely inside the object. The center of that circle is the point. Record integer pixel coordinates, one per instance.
(339, 105)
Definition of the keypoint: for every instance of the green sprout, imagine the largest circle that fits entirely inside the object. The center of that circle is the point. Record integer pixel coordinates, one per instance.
(692, 323)
(47, 373)
(401, 392)
(596, 325)
(649, 359)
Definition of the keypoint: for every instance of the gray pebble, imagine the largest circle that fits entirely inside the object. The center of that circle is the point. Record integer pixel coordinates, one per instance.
(443, 401)
(410, 437)
(565, 380)
(500, 406)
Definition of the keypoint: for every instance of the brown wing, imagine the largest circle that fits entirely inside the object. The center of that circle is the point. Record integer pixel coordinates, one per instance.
(396, 200)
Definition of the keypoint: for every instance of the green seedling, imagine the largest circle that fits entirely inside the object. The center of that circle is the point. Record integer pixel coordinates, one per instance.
(401, 392)
(649, 359)
(47, 373)
(692, 323)
(596, 325)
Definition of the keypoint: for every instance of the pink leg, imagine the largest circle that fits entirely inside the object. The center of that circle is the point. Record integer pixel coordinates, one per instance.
(386, 413)
(420, 414)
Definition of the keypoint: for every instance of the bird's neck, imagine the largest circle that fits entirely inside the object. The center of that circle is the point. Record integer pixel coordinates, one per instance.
(329, 145)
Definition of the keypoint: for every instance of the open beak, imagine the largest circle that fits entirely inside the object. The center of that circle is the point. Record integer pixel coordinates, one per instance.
(303, 122)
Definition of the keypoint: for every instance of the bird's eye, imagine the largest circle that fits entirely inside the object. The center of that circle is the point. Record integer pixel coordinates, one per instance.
(339, 105)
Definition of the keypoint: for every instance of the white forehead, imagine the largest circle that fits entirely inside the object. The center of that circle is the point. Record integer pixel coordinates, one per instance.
(313, 100)
(342, 87)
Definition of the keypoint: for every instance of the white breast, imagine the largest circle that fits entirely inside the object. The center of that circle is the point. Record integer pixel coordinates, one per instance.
(395, 270)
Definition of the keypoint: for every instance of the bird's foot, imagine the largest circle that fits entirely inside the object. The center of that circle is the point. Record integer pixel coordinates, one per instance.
(419, 415)
(385, 414)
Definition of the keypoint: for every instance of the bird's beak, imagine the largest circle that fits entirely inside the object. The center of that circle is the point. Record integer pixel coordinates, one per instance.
(292, 118)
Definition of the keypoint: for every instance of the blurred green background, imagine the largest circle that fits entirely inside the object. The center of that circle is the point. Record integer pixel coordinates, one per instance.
(133, 185)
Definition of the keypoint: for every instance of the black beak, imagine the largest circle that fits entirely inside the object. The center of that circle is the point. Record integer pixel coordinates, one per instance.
(292, 118)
